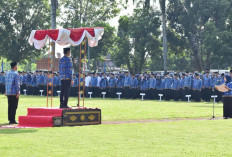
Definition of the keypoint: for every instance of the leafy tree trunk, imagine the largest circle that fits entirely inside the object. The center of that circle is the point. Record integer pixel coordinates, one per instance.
(164, 30)
(195, 50)
(208, 60)
(53, 26)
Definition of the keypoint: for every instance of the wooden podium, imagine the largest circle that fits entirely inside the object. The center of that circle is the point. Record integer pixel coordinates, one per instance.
(227, 106)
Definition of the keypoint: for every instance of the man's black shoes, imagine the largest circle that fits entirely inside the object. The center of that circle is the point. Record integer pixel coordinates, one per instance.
(63, 106)
(13, 122)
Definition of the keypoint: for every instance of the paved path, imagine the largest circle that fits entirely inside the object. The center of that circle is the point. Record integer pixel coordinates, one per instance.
(160, 120)
(129, 121)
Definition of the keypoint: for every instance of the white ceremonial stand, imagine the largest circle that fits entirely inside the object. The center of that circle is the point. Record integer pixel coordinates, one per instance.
(188, 96)
(103, 93)
(160, 95)
(41, 92)
(90, 94)
(25, 92)
(119, 95)
(143, 94)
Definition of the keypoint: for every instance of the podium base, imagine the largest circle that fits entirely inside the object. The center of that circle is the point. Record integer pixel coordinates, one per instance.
(52, 117)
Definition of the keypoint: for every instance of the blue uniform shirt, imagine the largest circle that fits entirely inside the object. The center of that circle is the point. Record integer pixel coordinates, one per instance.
(120, 82)
(168, 83)
(55, 81)
(40, 80)
(182, 83)
(176, 84)
(159, 84)
(197, 84)
(12, 83)
(103, 83)
(187, 81)
(58, 79)
(33, 81)
(75, 81)
(21, 79)
(127, 81)
(94, 81)
(24, 79)
(3, 79)
(228, 92)
(134, 83)
(216, 81)
(65, 68)
(152, 82)
(206, 81)
(112, 82)
(28, 80)
(144, 84)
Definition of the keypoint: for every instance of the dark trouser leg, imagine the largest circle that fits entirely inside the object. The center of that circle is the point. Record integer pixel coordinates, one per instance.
(176, 95)
(3, 88)
(65, 88)
(12, 107)
(62, 92)
(207, 94)
(186, 92)
(72, 91)
(153, 94)
(127, 94)
(197, 95)
(165, 94)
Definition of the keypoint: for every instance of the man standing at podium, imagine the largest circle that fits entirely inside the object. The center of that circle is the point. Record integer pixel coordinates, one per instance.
(65, 70)
(12, 92)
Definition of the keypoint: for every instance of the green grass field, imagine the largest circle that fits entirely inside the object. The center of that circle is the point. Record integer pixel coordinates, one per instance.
(176, 138)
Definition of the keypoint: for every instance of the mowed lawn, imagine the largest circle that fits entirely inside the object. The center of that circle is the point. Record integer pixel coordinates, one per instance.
(176, 138)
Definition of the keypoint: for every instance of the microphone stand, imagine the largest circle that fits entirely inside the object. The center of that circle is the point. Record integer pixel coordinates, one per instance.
(213, 96)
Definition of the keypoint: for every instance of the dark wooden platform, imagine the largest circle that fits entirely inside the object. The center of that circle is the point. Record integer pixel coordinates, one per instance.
(81, 116)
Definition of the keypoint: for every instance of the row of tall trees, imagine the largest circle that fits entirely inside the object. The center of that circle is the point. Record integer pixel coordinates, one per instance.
(159, 35)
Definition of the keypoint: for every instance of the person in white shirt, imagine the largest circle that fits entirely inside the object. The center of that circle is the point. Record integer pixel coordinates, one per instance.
(87, 83)
(98, 80)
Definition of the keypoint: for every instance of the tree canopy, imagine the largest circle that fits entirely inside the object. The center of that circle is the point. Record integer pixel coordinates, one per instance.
(18, 18)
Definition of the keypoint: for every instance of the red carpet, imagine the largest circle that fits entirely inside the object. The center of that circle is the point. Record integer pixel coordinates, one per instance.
(39, 117)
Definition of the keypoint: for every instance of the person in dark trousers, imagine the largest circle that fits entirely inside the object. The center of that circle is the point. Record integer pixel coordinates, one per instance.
(2, 82)
(12, 86)
(197, 86)
(127, 82)
(206, 85)
(176, 87)
(65, 70)
(168, 81)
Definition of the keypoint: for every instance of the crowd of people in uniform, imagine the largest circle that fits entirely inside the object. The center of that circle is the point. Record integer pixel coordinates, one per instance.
(172, 85)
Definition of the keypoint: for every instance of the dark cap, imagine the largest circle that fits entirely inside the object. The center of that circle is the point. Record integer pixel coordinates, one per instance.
(13, 64)
(183, 74)
(196, 74)
(66, 50)
(175, 74)
(216, 72)
(187, 72)
(230, 71)
(167, 73)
